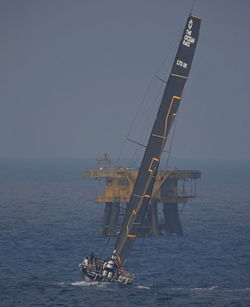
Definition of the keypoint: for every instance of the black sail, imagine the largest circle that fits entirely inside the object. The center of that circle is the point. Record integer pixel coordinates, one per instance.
(145, 181)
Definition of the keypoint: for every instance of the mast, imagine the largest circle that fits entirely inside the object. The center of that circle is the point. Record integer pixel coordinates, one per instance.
(146, 177)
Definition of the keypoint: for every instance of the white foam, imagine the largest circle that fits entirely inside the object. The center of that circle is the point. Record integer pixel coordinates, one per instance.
(235, 290)
(196, 289)
(83, 283)
(214, 287)
(60, 284)
(204, 289)
(142, 287)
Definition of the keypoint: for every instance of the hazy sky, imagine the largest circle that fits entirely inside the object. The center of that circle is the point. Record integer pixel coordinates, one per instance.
(73, 73)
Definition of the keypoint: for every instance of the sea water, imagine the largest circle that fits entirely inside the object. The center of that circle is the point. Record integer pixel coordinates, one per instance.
(49, 222)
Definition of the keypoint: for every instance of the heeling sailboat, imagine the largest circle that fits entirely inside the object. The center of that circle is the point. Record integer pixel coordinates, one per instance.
(111, 270)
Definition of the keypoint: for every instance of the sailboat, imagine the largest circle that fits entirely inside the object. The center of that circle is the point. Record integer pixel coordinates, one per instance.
(112, 269)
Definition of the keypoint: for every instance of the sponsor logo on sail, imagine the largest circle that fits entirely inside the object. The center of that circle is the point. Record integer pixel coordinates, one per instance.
(188, 39)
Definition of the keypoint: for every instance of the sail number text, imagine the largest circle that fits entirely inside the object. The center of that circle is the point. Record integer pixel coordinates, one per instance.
(181, 63)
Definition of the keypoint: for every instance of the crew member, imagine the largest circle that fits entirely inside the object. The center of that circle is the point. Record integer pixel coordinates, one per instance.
(116, 259)
(110, 268)
(104, 268)
(84, 264)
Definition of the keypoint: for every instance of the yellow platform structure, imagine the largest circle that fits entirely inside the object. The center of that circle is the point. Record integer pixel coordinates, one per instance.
(170, 190)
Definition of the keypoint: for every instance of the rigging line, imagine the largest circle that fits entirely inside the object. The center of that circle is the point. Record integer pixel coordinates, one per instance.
(170, 55)
(107, 242)
(173, 46)
(142, 145)
(134, 119)
(134, 158)
(146, 129)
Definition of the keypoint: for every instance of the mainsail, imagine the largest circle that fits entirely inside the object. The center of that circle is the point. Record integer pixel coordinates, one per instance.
(146, 177)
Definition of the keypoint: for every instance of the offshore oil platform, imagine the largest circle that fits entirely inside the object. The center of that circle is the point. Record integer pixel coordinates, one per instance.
(172, 187)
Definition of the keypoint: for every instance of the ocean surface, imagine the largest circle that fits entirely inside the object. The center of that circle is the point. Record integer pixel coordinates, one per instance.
(49, 221)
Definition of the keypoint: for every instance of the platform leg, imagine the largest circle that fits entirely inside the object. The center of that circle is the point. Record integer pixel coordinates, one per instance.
(113, 222)
(153, 214)
(172, 223)
(106, 218)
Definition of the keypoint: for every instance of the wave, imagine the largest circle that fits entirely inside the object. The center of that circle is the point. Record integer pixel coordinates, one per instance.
(60, 283)
(204, 289)
(237, 290)
(196, 289)
(83, 283)
(143, 287)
